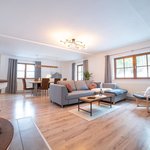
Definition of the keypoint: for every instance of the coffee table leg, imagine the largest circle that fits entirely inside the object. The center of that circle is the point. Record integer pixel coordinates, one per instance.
(110, 102)
(99, 102)
(91, 109)
(78, 105)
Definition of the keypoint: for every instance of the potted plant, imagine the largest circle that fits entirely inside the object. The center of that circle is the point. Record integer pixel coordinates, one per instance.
(87, 75)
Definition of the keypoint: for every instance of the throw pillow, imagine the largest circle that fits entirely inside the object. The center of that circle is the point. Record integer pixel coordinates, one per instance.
(92, 86)
(147, 92)
(69, 88)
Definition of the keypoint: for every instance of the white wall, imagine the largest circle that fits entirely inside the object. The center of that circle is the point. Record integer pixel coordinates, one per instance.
(45, 71)
(66, 69)
(97, 66)
(3, 68)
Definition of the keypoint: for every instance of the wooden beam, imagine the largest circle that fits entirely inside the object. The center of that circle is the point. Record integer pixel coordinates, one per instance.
(45, 66)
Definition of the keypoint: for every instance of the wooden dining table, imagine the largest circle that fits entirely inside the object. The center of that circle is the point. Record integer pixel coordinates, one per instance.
(37, 84)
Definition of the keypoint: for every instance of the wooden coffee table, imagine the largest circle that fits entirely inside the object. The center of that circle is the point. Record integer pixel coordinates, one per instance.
(94, 98)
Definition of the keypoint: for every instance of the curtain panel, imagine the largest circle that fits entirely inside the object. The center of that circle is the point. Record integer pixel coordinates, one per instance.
(73, 71)
(108, 75)
(12, 76)
(85, 65)
(37, 69)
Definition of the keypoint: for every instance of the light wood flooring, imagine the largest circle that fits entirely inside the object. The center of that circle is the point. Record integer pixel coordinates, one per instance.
(127, 128)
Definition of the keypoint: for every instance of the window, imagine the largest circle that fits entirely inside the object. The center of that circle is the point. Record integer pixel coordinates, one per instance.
(25, 70)
(136, 67)
(79, 72)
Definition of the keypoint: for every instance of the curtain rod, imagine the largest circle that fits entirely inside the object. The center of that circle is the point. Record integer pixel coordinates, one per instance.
(129, 51)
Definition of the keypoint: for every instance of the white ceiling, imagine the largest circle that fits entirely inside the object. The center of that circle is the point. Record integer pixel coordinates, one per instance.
(34, 28)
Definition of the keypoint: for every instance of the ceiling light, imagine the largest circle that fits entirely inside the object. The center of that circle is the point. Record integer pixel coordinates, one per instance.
(72, 43)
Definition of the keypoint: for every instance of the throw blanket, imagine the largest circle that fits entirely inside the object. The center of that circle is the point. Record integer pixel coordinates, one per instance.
(116, 91)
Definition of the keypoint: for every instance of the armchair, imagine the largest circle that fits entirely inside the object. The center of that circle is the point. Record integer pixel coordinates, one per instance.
(144, 97)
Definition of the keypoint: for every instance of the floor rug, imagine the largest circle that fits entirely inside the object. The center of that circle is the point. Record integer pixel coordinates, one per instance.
(97, 111)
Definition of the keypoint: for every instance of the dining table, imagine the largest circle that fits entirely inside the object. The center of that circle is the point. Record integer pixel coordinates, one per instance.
(36, 84)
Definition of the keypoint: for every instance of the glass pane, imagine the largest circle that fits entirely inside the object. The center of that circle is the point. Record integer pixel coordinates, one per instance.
(148, 59)
(129, 73)
(148, 71)
(120, 73)
(80, 68)
(141, 60)
(128, 62)
(20, 74)
(30, 74)
(80, 76)
(30, 68)
(21, 67)
(141, 72)
(119, 63)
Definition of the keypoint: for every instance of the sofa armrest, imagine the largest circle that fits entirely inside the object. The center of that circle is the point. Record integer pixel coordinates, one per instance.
(109, 85)
(58, 93)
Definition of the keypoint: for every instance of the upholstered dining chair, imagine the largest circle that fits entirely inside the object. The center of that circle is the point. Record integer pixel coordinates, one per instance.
(25, 88)
(56, 80)
(143, 97)
(44, 85)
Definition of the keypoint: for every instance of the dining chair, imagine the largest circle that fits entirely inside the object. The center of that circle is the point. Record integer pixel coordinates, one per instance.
(64, 79)
(56, 80)
(25, 88)
(44, 85)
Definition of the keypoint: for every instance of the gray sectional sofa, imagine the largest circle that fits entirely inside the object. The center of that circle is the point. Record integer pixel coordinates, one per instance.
(60, 95)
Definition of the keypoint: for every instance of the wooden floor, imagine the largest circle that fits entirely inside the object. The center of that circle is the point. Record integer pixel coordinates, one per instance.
(127, 128)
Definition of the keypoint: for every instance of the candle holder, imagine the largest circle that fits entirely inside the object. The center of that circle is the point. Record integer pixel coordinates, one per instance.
(101, 90)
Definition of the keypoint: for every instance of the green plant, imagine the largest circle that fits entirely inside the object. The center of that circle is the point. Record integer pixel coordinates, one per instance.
(87, 75)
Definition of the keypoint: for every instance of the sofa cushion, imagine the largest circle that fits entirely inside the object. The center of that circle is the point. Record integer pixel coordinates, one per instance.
(77, 94)
(81, 85)
(88, 82)
(69, 88)
(116, 91)
(71, 82)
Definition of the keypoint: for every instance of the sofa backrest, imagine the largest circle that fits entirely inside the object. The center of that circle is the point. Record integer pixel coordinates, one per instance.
(81, 85)
(71, 82)
(109, 85)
